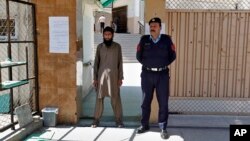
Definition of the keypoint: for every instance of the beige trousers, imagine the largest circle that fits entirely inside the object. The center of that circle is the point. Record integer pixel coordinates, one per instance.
(116, 106)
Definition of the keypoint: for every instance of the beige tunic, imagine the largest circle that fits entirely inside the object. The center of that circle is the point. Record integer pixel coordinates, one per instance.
(108, 69)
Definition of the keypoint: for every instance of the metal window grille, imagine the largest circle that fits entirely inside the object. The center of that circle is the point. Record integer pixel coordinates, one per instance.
(209, 4)
(22, 35)
(3, 27)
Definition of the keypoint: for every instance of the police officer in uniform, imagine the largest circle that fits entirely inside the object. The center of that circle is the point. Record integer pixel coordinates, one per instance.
(155, 52)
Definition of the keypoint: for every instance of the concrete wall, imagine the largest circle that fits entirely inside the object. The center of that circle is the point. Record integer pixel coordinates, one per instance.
(57, 71)
(133, 26)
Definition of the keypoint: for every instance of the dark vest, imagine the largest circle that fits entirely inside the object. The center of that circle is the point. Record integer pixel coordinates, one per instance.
(155, 55)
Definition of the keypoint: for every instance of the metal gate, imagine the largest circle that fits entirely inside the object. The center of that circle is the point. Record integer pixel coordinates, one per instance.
(17, 43)
(212, 72)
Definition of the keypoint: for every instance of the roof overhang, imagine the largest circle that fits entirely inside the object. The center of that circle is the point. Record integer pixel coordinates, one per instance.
(106, 3)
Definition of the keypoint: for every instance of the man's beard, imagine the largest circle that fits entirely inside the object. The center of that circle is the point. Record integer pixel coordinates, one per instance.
(108, 42)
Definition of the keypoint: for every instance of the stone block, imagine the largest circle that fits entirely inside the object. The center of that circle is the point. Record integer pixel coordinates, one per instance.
(24, 115)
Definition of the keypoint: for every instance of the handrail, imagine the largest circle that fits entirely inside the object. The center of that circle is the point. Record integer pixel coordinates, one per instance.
(141, 28)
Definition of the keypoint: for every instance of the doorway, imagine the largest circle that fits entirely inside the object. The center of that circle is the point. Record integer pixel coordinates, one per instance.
(119, 16)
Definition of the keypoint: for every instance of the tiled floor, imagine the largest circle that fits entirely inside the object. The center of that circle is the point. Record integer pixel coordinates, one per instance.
(73, 133)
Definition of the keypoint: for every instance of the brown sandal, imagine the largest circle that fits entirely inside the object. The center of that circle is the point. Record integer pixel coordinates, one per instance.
(119, 124)
(95, 124)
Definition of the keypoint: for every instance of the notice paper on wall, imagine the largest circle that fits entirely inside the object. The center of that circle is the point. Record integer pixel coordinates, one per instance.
(59, 34)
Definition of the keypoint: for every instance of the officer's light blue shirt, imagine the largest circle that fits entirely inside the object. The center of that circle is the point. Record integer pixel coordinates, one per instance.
(157, 39)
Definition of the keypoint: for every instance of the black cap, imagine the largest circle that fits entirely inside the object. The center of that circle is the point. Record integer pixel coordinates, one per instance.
(108, 28)
(155, 20)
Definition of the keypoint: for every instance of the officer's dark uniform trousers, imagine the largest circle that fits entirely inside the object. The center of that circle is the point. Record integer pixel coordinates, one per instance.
(155, 57)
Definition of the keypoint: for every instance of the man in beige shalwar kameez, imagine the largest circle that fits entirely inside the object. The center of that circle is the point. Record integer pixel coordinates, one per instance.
(108, 76)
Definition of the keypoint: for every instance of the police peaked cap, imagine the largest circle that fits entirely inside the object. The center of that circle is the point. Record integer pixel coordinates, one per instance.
(155, 20)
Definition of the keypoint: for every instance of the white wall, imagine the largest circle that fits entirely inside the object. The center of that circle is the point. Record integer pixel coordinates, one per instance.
(88, 45)
(136, 8)
(141, 10)
(88, 32)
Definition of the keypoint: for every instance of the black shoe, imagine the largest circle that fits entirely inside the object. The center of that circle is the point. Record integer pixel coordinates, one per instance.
(164, 134)
(142, 129)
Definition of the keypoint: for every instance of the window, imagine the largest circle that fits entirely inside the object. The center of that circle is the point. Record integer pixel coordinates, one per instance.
(4, 29)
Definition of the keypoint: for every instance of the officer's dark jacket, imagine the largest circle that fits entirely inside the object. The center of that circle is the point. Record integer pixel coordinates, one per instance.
(156, 55)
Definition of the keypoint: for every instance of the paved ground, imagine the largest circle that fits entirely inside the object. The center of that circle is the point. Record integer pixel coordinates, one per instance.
(78, 133)
(71, 133)
(181, 128)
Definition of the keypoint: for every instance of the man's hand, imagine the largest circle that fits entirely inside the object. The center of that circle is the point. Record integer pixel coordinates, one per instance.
(119, 83)
(95, 83)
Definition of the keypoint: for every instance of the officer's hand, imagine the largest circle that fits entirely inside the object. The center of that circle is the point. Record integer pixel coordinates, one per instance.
(119, 83)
